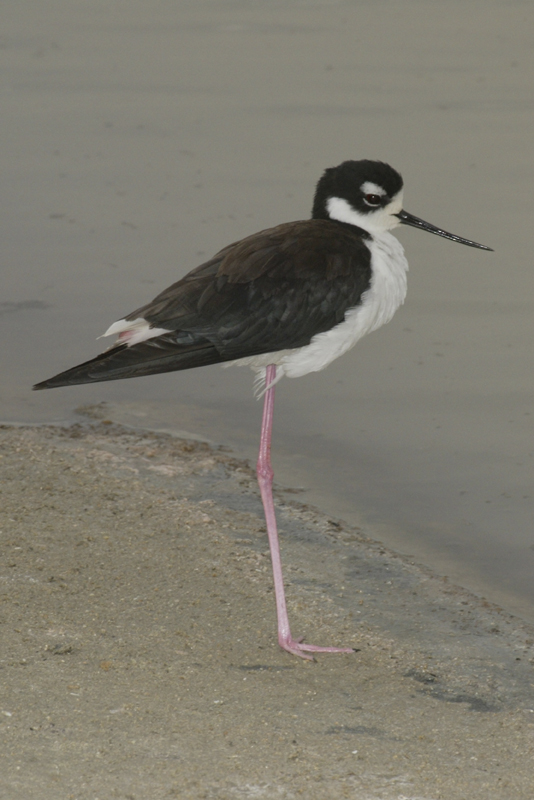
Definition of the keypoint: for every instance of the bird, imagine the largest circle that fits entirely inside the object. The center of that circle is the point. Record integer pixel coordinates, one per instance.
(285, 301)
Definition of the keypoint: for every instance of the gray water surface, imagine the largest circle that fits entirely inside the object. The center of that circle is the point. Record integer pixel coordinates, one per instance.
(138, 139)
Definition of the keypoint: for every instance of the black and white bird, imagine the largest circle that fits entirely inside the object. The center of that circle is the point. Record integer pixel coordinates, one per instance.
(285, 301)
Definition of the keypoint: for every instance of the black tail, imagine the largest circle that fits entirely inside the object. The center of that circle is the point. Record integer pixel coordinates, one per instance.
(146, 358)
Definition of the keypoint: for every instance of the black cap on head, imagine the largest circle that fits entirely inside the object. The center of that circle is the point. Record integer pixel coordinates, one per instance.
(346, 181)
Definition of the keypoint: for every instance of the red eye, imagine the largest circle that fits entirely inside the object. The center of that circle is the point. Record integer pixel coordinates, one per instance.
(372, 199)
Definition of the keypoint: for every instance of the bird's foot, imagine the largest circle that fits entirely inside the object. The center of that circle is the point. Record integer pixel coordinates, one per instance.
(298, 648)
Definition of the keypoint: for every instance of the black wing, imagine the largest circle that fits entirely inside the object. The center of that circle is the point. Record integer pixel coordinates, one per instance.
(272, 291)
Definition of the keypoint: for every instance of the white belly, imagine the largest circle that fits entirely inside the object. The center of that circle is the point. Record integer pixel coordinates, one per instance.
(385, 294)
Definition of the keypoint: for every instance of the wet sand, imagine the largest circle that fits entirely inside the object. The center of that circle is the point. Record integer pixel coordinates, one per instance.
(139, 660)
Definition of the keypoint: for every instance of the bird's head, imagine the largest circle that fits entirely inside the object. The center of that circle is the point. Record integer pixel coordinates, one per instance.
(368, 194)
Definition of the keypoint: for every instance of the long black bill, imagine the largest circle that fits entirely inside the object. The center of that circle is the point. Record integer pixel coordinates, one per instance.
(409, 219)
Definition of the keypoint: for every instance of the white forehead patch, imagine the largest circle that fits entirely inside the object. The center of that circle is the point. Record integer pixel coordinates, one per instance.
(372, 188)
(396, 203)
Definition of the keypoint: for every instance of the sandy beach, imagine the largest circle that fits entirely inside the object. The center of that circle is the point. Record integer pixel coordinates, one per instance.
(139, 657)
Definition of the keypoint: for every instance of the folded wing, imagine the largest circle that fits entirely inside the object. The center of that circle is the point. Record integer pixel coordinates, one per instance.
(272, 291)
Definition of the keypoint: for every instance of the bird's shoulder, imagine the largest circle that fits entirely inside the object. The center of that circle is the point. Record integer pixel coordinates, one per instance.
(300, 249)
(309, 258)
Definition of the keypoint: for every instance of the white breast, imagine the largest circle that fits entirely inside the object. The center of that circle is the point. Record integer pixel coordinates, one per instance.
(385, 294)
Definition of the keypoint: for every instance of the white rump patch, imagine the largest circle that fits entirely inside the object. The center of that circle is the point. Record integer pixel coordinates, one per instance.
(133, 331)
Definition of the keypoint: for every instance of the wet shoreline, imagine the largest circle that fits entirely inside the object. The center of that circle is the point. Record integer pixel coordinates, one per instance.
(138, 623)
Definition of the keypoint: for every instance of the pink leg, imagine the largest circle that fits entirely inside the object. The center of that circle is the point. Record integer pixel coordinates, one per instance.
(265, 480)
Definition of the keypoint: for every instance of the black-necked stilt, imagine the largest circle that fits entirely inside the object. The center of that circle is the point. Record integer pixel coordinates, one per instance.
(285, 301)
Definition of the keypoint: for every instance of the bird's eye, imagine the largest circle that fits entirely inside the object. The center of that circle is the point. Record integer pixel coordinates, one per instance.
(372, 200)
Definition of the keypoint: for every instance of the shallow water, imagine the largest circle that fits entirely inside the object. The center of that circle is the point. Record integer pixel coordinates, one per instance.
(140, 139)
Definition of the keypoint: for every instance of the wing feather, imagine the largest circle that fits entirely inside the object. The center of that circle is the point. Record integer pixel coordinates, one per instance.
(271, 291)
